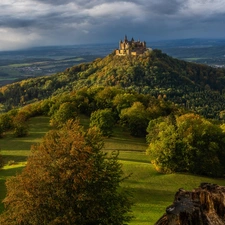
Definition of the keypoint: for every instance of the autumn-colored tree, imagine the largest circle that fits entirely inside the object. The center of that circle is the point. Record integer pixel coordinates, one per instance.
(68, 180)
(20, 126)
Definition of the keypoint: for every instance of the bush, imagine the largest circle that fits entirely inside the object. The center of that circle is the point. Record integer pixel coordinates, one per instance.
(20, 130)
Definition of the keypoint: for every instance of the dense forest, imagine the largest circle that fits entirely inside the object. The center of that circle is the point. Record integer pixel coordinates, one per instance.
(199, 88)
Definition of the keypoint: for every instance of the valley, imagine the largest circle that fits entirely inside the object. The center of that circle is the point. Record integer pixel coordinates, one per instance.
(40, 61)
(169, 102)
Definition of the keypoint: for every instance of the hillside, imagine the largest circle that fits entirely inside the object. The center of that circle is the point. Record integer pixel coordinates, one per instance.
(199, 88)
(111, 89)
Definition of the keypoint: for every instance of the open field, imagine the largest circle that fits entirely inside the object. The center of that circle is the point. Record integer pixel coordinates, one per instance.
(13, 72)
(152, 191)
(40, 61)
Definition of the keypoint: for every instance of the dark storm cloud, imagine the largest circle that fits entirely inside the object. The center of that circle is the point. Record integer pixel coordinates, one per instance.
(170, 7)
(16, 23)
(79, 21)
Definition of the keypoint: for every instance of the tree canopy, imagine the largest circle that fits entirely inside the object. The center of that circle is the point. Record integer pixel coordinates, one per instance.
(104, 120)
(68, 180)
(187, 143)
(197, 87)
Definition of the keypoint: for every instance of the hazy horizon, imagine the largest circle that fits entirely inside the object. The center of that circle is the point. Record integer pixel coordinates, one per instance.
(31, 23)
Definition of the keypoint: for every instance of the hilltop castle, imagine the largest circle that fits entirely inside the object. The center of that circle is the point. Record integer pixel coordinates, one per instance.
(131, 47)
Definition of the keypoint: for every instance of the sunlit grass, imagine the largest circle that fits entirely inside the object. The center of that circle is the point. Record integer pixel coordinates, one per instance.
(152, 191)
(16, 150)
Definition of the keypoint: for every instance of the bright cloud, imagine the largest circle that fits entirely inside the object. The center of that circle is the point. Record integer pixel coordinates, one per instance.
(45, 22)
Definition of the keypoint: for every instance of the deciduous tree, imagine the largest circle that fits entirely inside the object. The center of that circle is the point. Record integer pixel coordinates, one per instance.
(135, 118)
(20, 126)
(68, 180)
(188, 143)
(104, 120)
(65, 112)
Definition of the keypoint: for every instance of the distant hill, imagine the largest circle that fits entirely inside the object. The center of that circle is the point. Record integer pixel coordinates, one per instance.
(197, 87)
(205, 51)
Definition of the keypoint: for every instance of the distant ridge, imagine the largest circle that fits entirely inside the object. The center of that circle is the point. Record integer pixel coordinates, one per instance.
(199, 88)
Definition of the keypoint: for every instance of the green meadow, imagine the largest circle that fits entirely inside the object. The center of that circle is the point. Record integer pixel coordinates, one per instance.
(152, 191)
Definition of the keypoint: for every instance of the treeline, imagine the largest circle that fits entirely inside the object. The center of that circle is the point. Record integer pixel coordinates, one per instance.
(105, 106)
(179, 140)
(197, 87)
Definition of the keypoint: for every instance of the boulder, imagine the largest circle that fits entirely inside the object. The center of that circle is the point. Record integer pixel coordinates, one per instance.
(204, 205)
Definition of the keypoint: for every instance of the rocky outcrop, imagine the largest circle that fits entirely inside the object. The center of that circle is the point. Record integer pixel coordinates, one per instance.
(204, 205)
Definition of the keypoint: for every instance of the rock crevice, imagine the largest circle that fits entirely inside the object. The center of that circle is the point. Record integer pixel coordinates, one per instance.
(204, 205)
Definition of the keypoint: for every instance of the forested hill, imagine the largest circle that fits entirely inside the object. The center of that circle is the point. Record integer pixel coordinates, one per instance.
(198, 87)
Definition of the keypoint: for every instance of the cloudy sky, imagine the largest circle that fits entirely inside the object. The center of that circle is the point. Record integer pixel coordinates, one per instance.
(26, 23)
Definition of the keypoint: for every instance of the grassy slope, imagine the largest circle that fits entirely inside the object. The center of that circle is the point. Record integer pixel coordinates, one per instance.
(17, 149)
(152, 191)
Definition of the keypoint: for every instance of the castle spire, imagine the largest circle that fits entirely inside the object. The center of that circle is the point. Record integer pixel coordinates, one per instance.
(125, 38)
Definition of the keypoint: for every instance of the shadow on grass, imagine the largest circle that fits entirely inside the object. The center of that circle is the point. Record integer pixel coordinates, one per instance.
(10, 171)
(17, 144)
(135, 160)
(148, 195)
(124, 150)
(128, 139)
(149, 204)
(15, 158)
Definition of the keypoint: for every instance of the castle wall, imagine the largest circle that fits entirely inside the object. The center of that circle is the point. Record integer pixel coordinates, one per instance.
(131, 47)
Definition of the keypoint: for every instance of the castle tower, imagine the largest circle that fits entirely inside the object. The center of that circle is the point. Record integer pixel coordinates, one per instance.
(120, 44)
(131, 47)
